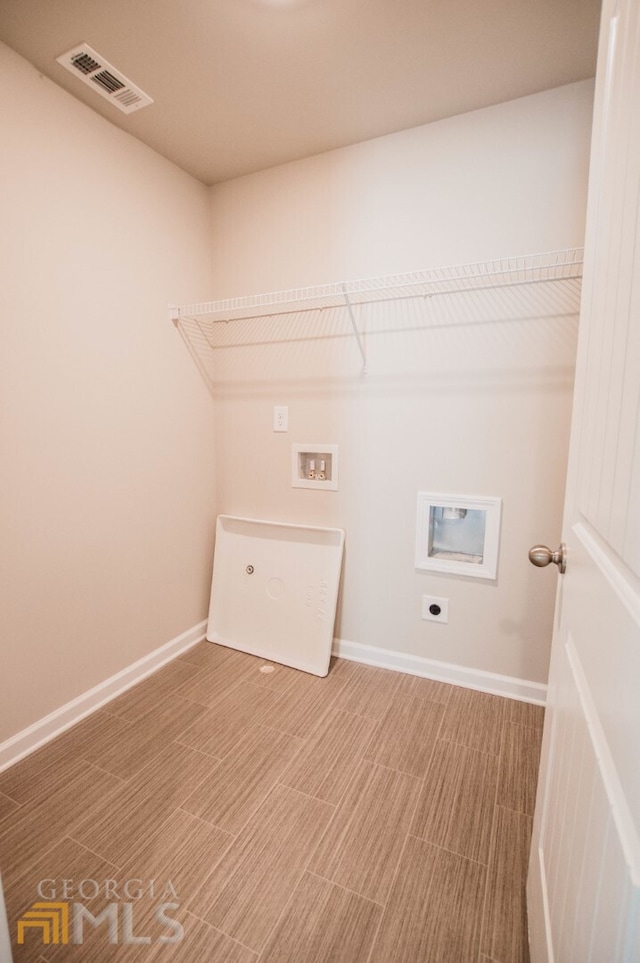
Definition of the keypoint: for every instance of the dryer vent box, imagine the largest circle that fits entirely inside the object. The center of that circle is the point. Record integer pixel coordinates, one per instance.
(458, 534)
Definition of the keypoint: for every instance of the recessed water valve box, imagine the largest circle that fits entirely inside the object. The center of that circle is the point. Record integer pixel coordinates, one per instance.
(314, 466)
(458, 534)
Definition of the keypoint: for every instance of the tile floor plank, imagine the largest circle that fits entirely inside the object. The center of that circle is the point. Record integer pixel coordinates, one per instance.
(317, 845)
(37, 827)
(421, 688)
(455, 810)
(201, 944)
(205, 655)
(147, 695)
(406, 735)
(323, 923)
(303, 689)
(245, 894)
(340, 671)
(473, 719)
(524, 713)
(150, 918)
(210, 685)
(7, 806)
(519, 762)
(219, 729)
(66, 861)
(434, 910)
(146, 738)
(142, 917)
(368, 691)
(183, 849)
(504, 936)
(41, 773)
(361, 848)
(242, 780)
(324, 767)
(279, 679)
(306, 703)
(308, 700)
(95, 735)
(122, 822)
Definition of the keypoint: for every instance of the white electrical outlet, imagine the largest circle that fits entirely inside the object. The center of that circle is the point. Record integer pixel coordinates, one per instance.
(280, 418)
(435, 609)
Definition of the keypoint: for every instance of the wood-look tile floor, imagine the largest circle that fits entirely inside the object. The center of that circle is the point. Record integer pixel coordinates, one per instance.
(368, 817)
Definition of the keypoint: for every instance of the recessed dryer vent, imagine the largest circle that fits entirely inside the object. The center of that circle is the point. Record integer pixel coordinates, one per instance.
(96, 72)
(458, 534)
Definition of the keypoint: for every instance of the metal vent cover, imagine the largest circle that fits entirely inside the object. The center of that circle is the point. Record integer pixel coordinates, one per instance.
(96, 72)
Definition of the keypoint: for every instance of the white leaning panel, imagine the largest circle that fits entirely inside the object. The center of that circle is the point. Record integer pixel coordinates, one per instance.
(275, 589)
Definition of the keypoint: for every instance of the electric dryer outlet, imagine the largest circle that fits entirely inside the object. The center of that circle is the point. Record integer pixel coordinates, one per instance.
(435, 609)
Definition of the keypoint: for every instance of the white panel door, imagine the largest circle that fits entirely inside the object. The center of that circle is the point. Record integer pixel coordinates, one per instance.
(584, 875)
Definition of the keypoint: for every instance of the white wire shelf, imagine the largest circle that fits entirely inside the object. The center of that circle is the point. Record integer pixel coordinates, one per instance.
(522, 269)
(482, 275)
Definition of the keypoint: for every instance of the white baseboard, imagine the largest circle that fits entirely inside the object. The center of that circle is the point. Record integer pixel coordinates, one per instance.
(67, 715)
(503, 685)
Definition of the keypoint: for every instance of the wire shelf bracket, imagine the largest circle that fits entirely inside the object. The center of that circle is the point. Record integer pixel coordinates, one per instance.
(354, 326)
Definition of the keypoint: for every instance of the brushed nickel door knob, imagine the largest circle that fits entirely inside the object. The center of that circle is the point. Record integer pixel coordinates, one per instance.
(542, 556)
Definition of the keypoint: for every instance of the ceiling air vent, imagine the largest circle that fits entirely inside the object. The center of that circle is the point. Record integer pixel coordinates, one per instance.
(93, 70)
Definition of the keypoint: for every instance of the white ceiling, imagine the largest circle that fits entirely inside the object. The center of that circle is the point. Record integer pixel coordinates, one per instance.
(240, 85)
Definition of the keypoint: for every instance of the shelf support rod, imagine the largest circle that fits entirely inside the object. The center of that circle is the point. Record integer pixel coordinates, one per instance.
(354, 326)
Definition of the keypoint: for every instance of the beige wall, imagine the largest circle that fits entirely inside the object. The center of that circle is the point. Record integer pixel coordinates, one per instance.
(479, 408)
(107, 496)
